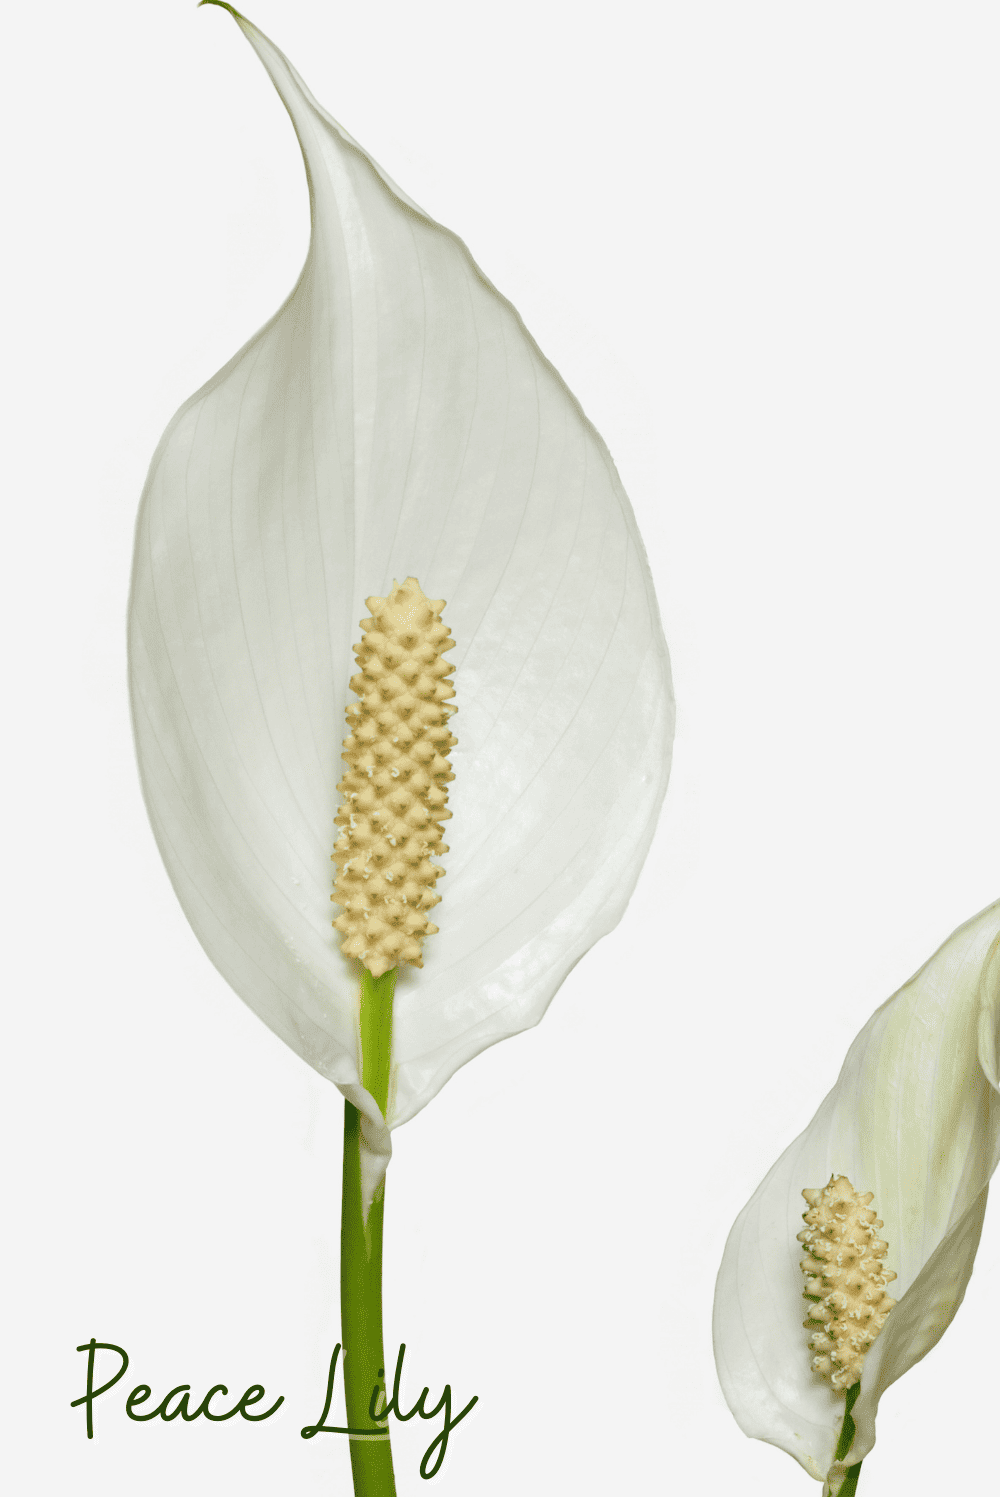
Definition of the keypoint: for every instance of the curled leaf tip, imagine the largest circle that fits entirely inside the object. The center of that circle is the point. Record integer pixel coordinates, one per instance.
(394, 790)
(223, 6)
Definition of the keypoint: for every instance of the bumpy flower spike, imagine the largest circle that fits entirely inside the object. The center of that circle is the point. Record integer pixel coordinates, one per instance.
(394, 790)
(845, 1279)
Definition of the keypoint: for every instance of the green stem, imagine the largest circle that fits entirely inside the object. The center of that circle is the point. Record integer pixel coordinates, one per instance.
(361, 1258)
(850, 1484)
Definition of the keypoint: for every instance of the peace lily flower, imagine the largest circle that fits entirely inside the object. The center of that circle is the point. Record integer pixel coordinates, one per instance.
(394, 421)
(913, 1125)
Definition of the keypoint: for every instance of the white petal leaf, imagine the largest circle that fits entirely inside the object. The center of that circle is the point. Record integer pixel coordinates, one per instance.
(914, 1118)
(393, 418)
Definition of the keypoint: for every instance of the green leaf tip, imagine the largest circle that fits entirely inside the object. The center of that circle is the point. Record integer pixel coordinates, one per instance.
(223, 6)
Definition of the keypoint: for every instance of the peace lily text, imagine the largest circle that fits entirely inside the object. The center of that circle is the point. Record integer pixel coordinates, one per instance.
(177, 1403)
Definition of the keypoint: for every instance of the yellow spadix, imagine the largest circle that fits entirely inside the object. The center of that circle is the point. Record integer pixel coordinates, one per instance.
(394, 790)
(845, 1279)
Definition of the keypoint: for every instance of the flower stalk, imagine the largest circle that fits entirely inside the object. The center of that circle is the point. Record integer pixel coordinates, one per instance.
(849, 1484)
(361, 1259)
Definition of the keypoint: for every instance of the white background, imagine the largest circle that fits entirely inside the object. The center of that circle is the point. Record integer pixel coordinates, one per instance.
(760, 242)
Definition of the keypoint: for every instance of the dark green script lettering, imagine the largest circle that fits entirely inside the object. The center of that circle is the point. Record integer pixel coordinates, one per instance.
(92, 1394)
(419, 1410)
(178, 1402)
(180, 1394)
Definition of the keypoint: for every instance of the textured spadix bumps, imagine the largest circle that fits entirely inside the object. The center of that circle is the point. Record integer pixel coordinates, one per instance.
(845, 1279)
(394, 789)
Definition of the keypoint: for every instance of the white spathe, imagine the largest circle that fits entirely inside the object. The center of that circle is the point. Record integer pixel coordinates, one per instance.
(394, 418)
(915, 1119)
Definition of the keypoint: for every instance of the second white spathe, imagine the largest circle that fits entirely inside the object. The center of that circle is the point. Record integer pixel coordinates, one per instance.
(915, 1119)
